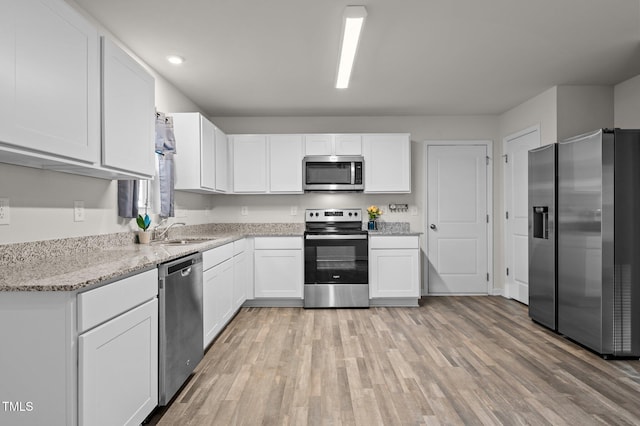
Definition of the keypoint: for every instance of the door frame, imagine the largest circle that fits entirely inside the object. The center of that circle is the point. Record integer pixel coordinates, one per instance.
(488, 144)
(506, 291)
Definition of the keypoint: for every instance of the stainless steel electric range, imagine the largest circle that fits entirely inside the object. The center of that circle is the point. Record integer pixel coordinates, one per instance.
(336, 259)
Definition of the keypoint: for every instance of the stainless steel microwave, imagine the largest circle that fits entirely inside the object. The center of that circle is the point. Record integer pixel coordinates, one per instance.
(333, 173)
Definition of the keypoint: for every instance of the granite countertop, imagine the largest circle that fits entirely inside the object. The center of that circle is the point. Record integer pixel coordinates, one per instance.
(64, 268)
(385, 232)
(394, 229)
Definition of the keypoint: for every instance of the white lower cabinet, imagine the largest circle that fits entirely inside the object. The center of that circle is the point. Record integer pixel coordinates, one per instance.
(278, 267)
(241, 272)
(88, 358)
(394, 267)
(224, 286)
(118, 369)
(118, 351)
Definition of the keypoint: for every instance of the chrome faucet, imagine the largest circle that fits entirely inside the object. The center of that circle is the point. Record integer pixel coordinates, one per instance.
(164, 232)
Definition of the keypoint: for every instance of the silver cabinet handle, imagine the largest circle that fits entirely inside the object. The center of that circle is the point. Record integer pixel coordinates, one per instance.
(432, 226)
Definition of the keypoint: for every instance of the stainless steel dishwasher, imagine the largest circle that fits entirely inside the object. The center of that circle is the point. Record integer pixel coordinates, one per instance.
(180, 323)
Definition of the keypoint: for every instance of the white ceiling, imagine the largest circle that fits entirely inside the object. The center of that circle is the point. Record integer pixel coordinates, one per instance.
(417, 57)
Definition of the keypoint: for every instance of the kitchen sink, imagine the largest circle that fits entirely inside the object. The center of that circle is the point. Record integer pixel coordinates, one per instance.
(183, 241)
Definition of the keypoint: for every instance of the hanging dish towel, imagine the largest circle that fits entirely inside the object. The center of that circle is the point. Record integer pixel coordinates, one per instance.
(165, 148)
(128, 198)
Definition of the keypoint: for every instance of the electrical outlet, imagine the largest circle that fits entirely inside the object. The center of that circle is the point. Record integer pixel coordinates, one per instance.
(294, 210)
(5, 217)
(244, 210)
(78, 211)
(414, 211)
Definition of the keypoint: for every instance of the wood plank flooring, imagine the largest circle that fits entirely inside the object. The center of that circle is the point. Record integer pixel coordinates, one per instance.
(453, 360)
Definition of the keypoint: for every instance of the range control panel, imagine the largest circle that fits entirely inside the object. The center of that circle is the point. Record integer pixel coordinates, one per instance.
(333, 215)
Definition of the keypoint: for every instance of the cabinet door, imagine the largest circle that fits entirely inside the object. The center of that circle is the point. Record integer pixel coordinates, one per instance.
(128, 112)
(318, 144)
(217, 296)
(349, 144)
(278, 273)
(394, 273)
(118, 369)
(221, 161)
(224, 291)
(387, 163)
(49, 80)
(207, 154)
(285, 163)
(240, 279)
(249, 163)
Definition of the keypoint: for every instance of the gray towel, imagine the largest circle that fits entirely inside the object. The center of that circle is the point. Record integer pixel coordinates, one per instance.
(165, 147)
(128, 198)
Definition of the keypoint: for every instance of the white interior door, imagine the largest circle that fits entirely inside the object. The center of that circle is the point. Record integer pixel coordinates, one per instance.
(457, 228)
(516, 184)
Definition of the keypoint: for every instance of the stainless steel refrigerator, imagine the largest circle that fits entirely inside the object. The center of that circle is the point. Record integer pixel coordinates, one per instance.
(599, 241)
(542, 235)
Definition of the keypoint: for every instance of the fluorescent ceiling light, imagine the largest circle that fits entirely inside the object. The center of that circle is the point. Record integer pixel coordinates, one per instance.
(175, 59)
(352, 23)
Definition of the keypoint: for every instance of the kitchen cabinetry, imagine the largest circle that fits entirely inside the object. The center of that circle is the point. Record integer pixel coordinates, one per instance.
(394, 268)
(201, 160)
(387, 163)
(67, 353)
(241, 272)
(128, 113)
(330, 144)
(217, 290)
(267, 163)
(118, 358)
(249, 163)
(278, 267)
(285, 164)
(50, 91)
(54, 112)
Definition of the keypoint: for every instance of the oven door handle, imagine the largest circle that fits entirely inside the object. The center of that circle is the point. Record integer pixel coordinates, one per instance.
(337, 237)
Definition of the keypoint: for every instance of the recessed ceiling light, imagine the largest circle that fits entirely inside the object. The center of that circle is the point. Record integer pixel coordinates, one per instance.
(175, 59)
(352, 23)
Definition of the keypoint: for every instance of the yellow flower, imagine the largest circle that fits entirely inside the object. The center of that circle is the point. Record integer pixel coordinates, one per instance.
(373, 212)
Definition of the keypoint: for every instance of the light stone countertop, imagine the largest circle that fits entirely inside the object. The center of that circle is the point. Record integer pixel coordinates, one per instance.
(71, 270)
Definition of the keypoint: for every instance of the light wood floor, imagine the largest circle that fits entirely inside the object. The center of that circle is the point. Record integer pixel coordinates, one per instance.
(454, 360)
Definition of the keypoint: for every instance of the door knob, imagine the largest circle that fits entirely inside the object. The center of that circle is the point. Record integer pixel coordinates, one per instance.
(432, 226)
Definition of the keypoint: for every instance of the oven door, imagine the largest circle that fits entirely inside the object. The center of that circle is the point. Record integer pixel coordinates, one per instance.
(336, 259)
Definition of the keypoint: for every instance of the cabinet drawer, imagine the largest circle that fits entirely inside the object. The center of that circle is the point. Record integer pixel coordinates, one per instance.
(99, 305)
(239, 246)
(278, 243)
(213, 257)
(394, 242)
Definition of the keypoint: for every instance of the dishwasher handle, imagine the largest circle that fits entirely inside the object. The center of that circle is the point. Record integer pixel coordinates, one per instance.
(186, 272)
(180, 266)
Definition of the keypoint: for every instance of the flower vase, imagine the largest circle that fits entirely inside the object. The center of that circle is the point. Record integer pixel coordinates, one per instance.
(372, 225)
(144, 237)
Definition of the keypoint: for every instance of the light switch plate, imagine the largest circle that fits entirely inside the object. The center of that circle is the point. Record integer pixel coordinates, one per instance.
(414, 211)
(5, 217)
(294, 210)
(244, 210)
(78, 211)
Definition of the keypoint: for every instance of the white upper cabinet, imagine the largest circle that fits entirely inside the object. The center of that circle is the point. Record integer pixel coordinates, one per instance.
(285, 164)
(267, 164)
(221, 160)
(249, 163)
(201, 159)
(333, 144)
(387, 163)
(128, 117)
(49, 83)
(348, 144)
